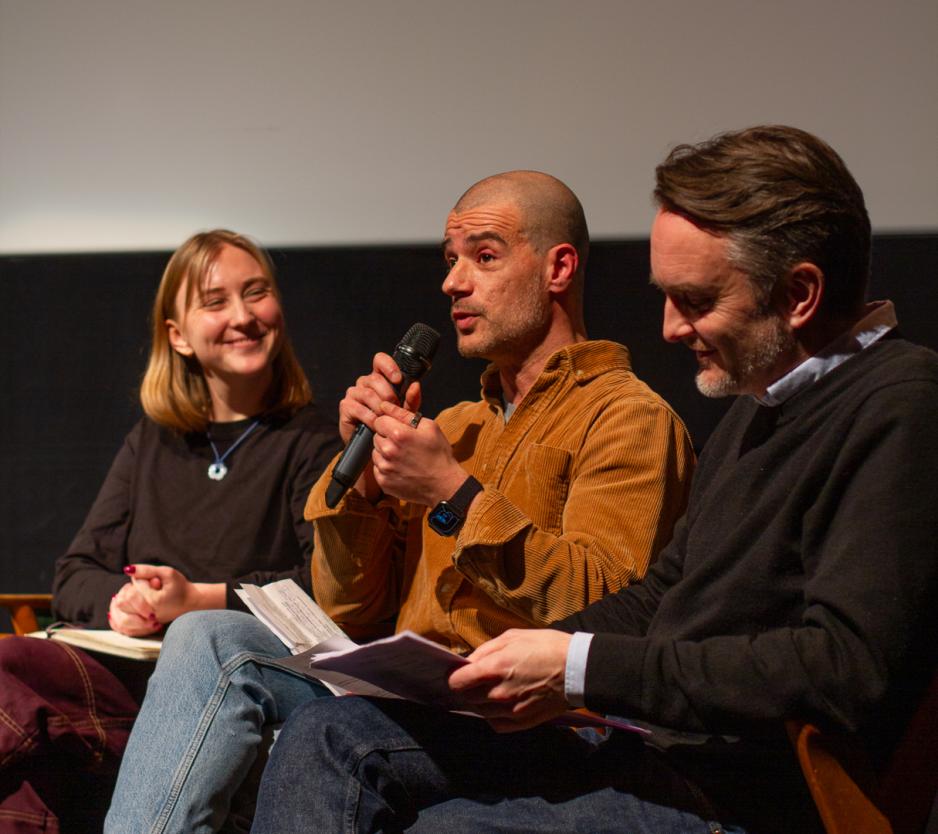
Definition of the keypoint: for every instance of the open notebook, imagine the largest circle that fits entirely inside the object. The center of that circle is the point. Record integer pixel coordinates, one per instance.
(105, 641)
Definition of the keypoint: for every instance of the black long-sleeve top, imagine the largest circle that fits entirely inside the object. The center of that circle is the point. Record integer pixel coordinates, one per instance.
(158, 506)
(802, 583)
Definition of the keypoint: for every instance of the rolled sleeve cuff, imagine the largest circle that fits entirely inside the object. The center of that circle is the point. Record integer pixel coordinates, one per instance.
(574, 680)
(492, 521)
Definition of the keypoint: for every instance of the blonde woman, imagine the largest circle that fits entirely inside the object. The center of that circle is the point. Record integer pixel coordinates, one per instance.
(207, 492)
(209, 488)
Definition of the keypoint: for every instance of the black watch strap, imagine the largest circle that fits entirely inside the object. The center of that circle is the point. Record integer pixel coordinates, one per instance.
(463, 498)
(447, 517)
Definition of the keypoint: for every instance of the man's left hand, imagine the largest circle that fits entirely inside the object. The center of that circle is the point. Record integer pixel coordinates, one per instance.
(515, 681)
(414, 462)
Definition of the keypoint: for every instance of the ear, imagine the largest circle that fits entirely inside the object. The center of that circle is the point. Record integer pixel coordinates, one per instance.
(804, 289)
(177, 340)
(562, 263)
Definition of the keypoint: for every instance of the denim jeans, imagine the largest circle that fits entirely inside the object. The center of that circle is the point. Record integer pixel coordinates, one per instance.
(357, 765)
(200, 726)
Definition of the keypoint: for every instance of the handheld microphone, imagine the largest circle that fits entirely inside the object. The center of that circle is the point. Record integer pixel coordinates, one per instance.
(413, 355)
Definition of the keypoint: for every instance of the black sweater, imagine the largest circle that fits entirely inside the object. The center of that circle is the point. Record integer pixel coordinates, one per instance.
(158, 506)
(802, 582)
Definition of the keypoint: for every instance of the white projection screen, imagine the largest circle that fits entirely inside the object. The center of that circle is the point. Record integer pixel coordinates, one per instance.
(126, 125)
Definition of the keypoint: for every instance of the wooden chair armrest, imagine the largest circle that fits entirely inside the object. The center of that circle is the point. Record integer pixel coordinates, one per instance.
(843, 806)
(23, 607)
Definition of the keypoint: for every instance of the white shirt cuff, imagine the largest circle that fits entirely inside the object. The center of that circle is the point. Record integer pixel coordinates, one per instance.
(574, 678)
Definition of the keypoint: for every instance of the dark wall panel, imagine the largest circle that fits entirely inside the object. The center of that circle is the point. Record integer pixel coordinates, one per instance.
(74, 338)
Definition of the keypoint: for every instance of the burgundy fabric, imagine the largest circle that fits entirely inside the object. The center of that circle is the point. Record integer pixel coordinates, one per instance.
(23, 812)
(64, 722)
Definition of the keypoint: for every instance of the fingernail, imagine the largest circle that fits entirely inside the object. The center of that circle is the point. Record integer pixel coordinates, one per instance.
(129, 569)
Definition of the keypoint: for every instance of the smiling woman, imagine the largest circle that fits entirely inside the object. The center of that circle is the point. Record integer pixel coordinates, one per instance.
(221, 374)
(219, 348)
(208, 491)
(232, 327)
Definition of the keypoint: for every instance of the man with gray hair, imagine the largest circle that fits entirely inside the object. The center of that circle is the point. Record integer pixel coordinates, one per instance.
(802, 582)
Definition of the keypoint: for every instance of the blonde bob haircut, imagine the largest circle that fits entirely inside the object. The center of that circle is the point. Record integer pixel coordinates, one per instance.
(174, 392)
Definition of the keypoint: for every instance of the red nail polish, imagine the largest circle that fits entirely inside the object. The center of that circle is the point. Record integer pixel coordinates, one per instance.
(129, 569)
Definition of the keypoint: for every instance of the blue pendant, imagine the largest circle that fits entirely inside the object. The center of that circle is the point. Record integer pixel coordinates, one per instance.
(217, 470)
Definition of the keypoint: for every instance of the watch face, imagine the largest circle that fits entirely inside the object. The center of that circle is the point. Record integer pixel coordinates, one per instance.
(444, 519)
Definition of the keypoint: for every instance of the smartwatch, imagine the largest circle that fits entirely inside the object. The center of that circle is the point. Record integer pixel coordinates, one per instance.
(447, 517)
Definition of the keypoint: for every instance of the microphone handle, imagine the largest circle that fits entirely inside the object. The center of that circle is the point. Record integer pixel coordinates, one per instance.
(356, 455)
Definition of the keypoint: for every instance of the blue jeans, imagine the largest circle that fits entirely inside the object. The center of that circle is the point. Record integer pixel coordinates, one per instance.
(357, 765)
(200, 726)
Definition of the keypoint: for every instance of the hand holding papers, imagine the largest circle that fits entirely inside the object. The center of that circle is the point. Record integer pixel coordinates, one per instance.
(404, 666)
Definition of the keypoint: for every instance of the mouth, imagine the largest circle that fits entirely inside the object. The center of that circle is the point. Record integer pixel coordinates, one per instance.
(464, 320)
(703, 354)
(244, 341)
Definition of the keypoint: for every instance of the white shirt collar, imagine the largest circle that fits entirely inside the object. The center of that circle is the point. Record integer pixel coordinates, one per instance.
(880, 318)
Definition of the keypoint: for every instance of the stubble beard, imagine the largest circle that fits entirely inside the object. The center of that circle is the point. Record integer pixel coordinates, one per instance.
(752, 361)
(515, 335)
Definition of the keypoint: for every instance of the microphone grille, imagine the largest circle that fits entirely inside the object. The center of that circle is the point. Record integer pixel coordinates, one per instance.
(422, 340)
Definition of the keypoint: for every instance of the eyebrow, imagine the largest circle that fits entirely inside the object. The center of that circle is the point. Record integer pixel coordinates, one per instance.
(680, 288)
(654, 282)
(476, 238)
(249, 282)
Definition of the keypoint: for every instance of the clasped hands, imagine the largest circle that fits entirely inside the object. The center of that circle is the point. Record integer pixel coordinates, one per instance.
(412, 460)
(155, 596)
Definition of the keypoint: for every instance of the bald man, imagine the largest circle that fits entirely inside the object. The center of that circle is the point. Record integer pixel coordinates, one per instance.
(550, 492)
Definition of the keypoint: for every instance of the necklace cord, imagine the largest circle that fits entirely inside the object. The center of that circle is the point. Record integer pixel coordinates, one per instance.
(217, 465)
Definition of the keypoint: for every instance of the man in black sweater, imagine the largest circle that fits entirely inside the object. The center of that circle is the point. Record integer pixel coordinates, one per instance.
(802, 582)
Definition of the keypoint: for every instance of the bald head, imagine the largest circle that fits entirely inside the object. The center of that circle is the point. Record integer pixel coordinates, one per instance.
(551, 213)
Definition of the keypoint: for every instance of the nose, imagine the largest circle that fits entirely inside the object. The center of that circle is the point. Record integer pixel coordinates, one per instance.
(456, 284)
(241, 313)
(675, 326)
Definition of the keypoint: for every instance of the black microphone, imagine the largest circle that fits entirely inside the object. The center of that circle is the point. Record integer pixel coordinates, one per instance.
(413, 355)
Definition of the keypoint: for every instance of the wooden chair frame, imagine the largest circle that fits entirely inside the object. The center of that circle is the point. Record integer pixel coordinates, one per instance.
(23, 609)
(851, 799)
